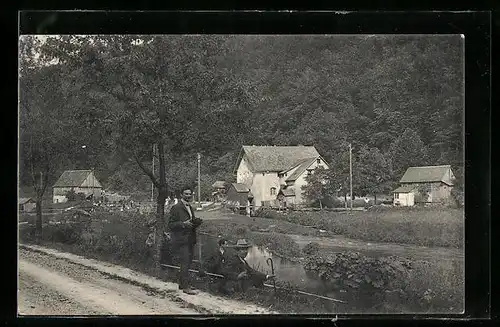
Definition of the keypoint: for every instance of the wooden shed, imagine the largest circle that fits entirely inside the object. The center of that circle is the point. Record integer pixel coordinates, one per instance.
(26, 204)
(78, 181)
(239, 195)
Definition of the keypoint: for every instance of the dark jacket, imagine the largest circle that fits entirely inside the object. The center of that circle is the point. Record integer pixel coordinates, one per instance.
(178, 233)
(230, 265)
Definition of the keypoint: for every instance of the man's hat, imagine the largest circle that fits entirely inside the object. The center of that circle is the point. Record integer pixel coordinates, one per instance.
(242, 243)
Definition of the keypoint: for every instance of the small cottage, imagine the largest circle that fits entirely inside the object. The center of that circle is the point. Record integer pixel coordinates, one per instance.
(78, 181)
(429, 184)
(26, 204)
(404, 196)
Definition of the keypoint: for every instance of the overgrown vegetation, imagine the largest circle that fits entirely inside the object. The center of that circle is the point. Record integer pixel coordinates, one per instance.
(391, 283)
(311, 248)
(420, 226)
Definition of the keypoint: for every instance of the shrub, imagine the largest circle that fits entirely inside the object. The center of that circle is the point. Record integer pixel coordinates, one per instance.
(366, 281)
(267, 213)
(311, 248)
(241, 231)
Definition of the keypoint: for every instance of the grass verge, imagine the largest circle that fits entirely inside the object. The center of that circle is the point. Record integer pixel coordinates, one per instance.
(442, 227)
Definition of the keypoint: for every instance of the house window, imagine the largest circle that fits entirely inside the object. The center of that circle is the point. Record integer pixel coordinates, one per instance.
(308, 172)
(396, 195)
(318, 161)
(273, 190)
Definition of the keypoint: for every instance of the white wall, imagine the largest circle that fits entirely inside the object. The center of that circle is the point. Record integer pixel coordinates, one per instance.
(404, 199)
(244, 175)
(91, 181)
(261, 187)
(59, 199)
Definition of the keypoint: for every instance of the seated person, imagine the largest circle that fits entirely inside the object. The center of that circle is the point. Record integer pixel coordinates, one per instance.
(229, 261)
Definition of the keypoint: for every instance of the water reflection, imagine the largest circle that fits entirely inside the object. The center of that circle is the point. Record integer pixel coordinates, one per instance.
(285, 270)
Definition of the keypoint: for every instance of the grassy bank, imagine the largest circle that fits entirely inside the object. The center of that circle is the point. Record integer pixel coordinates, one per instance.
(120, 239)
(442, 227)
(392, 284)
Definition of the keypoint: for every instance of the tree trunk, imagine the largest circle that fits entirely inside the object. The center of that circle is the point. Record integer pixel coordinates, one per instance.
(160, 209)
(160, 229)
(375, 199)
(345, 201)
(38, 221)
(320, 205)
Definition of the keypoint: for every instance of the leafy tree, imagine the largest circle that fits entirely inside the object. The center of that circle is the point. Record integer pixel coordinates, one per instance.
(318, 186)
(408, 150)
(375, 172)
(338, 174)
(166, 92)
(42, 125)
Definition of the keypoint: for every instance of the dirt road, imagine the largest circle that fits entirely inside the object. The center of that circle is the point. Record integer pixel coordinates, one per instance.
(59, 283)
(49, 286)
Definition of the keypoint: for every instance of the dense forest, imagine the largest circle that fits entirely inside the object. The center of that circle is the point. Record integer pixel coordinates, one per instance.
(397, 99)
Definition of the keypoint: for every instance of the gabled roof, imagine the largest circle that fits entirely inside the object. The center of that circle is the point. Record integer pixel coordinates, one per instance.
(277, 158)
(72, 178)
(219, 184)
(240, 187)
(25, 200)
(425, 174)
(303, 165)
(287, 192)
(403, 189)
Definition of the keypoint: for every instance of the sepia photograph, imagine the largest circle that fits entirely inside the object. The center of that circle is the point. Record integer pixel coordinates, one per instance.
(211, 174)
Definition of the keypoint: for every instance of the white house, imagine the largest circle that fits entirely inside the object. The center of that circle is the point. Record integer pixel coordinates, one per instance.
(404, 196)
(272, 170)
(79, 181)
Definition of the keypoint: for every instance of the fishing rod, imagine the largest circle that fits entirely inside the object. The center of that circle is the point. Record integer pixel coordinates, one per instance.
(266, 285)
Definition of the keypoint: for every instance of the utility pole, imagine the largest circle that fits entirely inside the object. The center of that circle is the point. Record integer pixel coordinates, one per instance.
(199, 186)
(153, 171)
(350, 171)
(93, 189)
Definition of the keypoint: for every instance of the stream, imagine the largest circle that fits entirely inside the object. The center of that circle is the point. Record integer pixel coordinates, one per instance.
(285, 270)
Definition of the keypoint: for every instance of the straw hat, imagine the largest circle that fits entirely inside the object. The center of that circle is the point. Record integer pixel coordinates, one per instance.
(242, 243)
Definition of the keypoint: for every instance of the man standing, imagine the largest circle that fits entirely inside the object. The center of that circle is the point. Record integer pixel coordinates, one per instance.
(182, 225)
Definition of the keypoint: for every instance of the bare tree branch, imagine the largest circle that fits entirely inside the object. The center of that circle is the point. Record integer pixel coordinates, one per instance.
(147, 171)
(32, 167)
